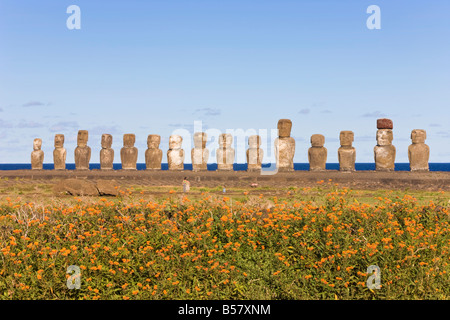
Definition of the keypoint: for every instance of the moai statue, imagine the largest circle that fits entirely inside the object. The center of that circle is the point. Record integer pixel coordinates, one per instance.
(153, 155)
(225, 153)
(129, 153)
(254, 153)
(384, 151)
(317, 154)
(175, 155)
(199, 154)
(37, 155)
(82, 151)
(346, 153)
(284, 146)
(106, 153)
(418, 151)
(59, 153)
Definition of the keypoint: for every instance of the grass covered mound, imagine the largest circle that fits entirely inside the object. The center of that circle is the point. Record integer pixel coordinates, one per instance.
(314, 243)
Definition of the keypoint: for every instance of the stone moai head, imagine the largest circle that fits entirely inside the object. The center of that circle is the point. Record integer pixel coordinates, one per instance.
(225, 140)
(175, 141)
(59, 140)
(153, 141)
(284, 128)
(106, 141)
(200, 139)
(384, 137)
(317, 140)
(37, 144)
(254, 141)
(418, 136)
(82, 138)
(346, 138)
(128, 140)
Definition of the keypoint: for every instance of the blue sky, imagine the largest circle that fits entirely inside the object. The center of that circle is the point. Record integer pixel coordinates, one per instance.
(151, 67)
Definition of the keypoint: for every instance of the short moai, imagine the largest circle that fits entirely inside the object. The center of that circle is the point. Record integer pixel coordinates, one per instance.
(317, 154)
(59, 153)
(418, 151)
(153, 155)
(106, 153)
(200, 154)
(37, 155)
(284, 146)
(346, 153)
(175, 155)
(82, 151)
(129, 153)
(254, 153)
(384, 151)
(225, 153)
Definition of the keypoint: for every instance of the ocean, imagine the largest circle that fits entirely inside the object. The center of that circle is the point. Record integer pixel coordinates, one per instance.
(236, 166)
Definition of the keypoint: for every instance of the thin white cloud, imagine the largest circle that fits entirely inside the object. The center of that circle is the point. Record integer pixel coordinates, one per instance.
(374, 114)
(304, 111)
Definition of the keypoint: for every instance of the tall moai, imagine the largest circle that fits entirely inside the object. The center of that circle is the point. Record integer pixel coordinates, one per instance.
(384, 151)
(175, 155)
(129, 153)
(37, 155)
(317, 154)
(59, 153)
(418, 151)
(284, 146)
(200, 154)
(225, 153)
(153, 155)
(254, 153)
(106, 153)
(82, 151)
(346, 153)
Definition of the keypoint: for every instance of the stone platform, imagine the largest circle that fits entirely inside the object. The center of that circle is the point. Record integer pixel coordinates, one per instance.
(430, 181)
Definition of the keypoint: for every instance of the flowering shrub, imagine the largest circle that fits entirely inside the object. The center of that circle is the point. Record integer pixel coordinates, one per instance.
(219, 248)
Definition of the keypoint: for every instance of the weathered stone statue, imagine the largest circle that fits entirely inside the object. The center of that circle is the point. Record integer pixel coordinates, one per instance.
(59, 153)
(37, 155)
(317, 154)
(129, 153)
(418, 151)
(175, 155)
(82, 151)
(254, 153)
(346, 153)
(384, 151)
(106, 153)
(153, 155)
(284, 146)
(200, 154)
(225, 153)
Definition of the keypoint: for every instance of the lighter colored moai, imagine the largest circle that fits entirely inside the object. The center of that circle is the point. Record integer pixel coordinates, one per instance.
(225, 153)
(106, 153)
(175, 155)
(418, 151)
(59, 153)
(200, 154)
(384, 151)
(346, 153)
(153, 155)
(129, 153)
(284, 146)
(317, 154)
(82, 151)
(37, 155)
(254, 153)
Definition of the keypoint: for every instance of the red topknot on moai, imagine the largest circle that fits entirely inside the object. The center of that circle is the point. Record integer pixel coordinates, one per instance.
(385, 124)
